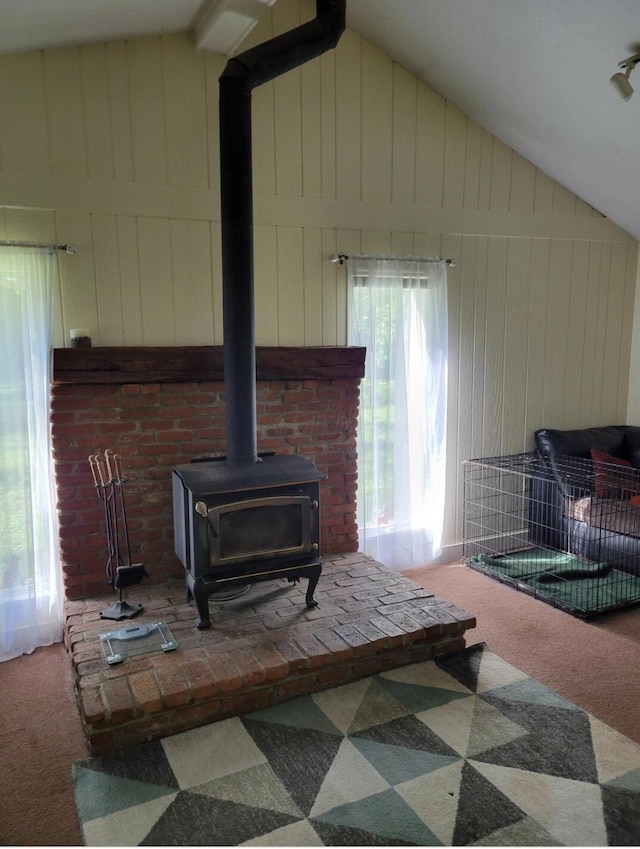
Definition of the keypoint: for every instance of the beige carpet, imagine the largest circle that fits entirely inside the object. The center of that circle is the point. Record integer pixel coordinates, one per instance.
(40, 737)
(594, 664)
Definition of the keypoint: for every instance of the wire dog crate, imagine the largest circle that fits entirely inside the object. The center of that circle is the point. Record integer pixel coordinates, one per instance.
(560, 529)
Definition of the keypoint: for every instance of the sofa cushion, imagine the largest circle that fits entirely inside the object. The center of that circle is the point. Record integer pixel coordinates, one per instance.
(578, 443)
(576, 480)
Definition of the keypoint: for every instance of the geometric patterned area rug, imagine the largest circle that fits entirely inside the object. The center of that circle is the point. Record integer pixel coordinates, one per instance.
(465, 750)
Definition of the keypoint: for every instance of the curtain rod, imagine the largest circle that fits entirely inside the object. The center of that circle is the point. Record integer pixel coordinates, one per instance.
(68, 249)
(342, 257)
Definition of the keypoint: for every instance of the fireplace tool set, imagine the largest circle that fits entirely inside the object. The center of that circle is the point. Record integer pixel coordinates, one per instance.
(109, 483)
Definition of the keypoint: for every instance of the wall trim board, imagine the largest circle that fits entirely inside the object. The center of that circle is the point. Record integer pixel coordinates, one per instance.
(50, 192)
(350, 215)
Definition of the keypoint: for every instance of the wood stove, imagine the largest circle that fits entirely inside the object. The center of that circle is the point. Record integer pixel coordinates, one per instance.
(249, 516)
(234, 526)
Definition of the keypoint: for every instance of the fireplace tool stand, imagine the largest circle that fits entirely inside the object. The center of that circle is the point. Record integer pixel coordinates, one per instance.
(108, 479)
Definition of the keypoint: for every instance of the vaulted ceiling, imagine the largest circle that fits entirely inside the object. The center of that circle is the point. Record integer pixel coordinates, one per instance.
(535, 73)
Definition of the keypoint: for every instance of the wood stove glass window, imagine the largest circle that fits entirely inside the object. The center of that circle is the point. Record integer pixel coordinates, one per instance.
(259, 527)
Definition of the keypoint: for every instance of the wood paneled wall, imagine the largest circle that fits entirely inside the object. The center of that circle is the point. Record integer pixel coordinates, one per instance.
(114, 148)
(540, 335)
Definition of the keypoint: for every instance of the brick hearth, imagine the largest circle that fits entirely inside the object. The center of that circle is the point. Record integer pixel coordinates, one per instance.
(263, 647)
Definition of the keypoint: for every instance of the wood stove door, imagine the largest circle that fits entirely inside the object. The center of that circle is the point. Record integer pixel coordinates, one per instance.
(259, 529)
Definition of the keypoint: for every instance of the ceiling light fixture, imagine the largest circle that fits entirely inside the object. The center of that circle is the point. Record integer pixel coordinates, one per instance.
(621, 80)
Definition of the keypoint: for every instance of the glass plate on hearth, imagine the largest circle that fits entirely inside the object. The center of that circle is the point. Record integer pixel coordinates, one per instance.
(132, 640)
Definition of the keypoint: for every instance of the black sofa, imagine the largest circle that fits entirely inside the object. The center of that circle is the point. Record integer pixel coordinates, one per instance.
(584, 505)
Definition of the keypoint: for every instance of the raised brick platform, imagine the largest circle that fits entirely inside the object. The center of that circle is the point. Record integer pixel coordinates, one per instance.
(263, 647)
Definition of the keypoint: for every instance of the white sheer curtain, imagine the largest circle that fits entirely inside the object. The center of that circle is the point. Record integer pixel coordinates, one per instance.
(31, 591)
(398, 311)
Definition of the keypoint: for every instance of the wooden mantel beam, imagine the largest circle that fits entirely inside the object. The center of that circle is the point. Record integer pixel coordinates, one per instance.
(181, 364)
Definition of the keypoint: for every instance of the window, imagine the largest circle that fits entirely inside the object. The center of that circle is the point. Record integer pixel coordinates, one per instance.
(30, 579)
(398, 311)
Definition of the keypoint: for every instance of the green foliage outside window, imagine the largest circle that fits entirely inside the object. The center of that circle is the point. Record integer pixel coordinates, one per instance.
(16, 546)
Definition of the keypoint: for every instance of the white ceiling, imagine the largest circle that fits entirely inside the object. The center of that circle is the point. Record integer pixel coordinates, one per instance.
(533, 72)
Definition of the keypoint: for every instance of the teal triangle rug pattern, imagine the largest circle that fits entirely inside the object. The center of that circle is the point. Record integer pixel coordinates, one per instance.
(466, 750)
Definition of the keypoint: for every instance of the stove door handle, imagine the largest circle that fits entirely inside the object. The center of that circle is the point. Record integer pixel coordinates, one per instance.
(203, 510)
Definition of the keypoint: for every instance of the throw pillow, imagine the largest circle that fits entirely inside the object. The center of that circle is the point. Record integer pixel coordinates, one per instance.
(609, 477)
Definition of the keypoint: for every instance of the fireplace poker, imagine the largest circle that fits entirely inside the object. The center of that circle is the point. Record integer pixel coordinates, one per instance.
(120, 482)
(111, 471)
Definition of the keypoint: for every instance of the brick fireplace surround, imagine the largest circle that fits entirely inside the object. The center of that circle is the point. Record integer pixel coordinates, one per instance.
(161, 407)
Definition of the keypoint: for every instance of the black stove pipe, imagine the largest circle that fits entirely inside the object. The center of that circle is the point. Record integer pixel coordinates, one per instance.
(240, 76)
